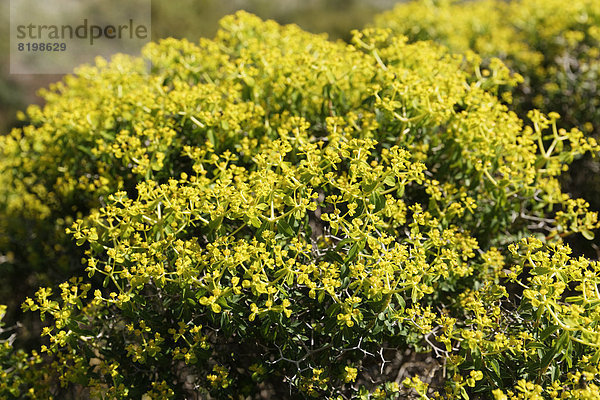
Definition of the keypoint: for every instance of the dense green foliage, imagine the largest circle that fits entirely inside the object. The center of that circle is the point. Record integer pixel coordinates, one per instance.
(553, 44)
(272, 211)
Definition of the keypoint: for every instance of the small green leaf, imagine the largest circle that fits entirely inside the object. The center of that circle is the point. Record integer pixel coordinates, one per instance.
(284, 227)
(414, 295)
(589, 235)
(352, 253)
(215, 223)
(390, 180)
(401, 301)
(333, 256)
(548, 331)
(255, 222)
(495, 366)
(535, 345)
(564, 338)
(211, 137)
(321, 296)
(541, 271)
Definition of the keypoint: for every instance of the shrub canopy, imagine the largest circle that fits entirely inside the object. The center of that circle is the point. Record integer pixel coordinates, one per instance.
(269, 210)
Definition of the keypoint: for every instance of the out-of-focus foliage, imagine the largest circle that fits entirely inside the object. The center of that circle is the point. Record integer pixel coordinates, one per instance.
(553, 44)
(11, 99)
(269, 210)
(18, 367)
(192, 19)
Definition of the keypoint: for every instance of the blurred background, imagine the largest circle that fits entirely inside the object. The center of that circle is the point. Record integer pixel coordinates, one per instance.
(192, 19)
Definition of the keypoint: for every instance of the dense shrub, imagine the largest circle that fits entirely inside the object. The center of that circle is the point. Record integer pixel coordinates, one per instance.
(270, 211)
(553, 44)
